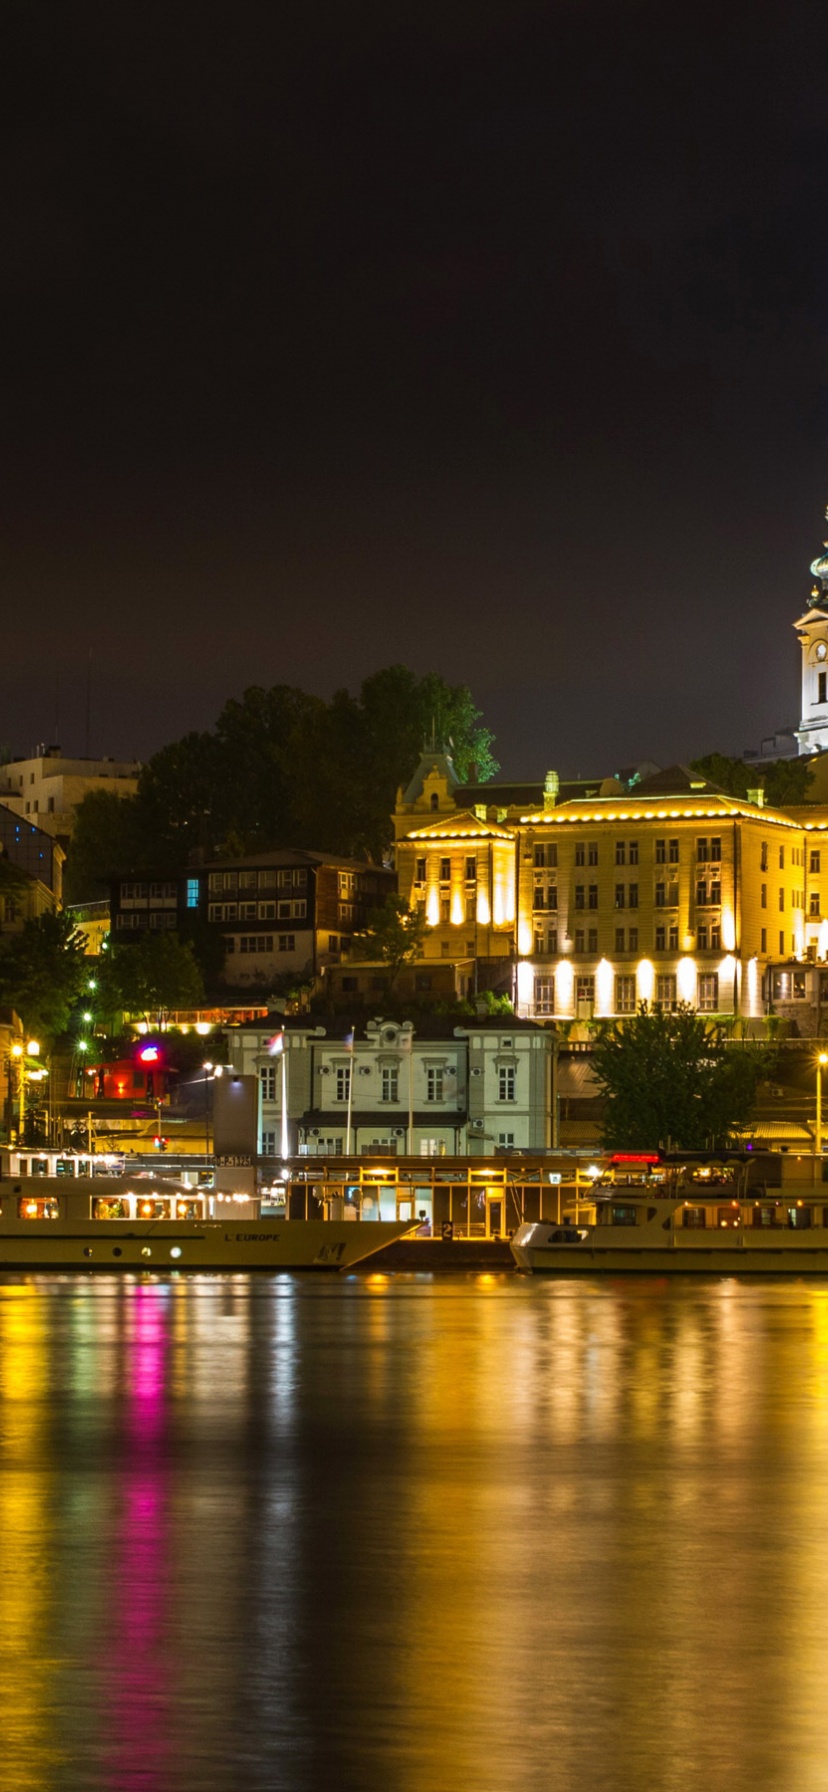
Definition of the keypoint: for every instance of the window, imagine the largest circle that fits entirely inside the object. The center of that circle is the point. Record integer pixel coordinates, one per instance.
(266, 910)
(693, 1219)
(708, 996)
(619, 939)
(763, 860)
(660, 938)
(544, 995)
(298, 911)
(764, 940)
(506, 1082)
(672, 937)
(248, 911)
(256, 942)
(623, 1216)
(632, 896)
(434, 1083)
(471, 871)
(540, 857)
(633, 939)
(715, 938)
(592, 896)
(445, 909)
(702, 850)
(715, 893)
(268, 1144)
(633, 851)
(553, 939)
(763, 896)
(585, 989)
(419, 871)
(287, 943)
(552, 897)
(659, 895)
(620, 895)
(781, 858)
(592, 853)
(471, 907)
(701, 937)
(435, 800)
(673, 852)
(580, 894)
(538, 898)
(821, 682)
(666, 991)
(343, 1082)
(701, 893)
(813, 863)
(267, 1076)
(781, 899)
(716, 847)
(390, 1083)
(661, 852)
(814, 903)
(781, 942)
(506, 1139)
(192, 892)
(788, 986)
(580, 852)
(445, 871)
(625, 995)
(620, 852)
(579, 939)
(592, 939)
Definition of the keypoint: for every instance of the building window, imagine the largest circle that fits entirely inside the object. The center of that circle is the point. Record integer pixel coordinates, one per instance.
(471, 908)
(592, 853)
(506, 1083)
(781, 899)
(764, 940)
(579, 939)
(192, 892)
(553, 939)
(715, 894)
(763, 896)
(661, 852)
(666, 991)
(674, 852)
(256, 942)
(619, 939)
(580, 852)
(701, 937)
(552, 897)
(434, 1083)
(585, 989)
(715, 938)
(659, 895)
(580, 895)
(620, 852)
(781, 858)
(763, 859)
(471, 871)
(419, 871)
(390, 1083)
(592, 939)
(592, 896)
(445, 909)
(267, 1076)
(538, 898)
(544, 995)
(716, 847)
(708, 992)
(821, 681)
(343, 1082)
(814, 904)
(781, 943)
(287, 942)
(702, 850)
(660, 938)
(632, 896)
(814, 862)
(672, 937)
(625, 995)
(268, 1144)
(620, 895)
(633, 852)
(540, 857)
(445, 871)
(632, 938)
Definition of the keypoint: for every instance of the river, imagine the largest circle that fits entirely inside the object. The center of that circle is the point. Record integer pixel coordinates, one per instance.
(413, 1534)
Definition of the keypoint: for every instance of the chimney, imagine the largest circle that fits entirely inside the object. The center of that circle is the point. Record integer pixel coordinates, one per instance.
(757, 797)
(551, 786)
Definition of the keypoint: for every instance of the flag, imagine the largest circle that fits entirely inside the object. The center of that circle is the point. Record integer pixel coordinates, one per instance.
(276, 1044)
(348, 1041)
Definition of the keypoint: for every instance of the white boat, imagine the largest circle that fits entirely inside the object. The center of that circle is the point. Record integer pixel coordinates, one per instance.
(147, 1222)
(708, 1218)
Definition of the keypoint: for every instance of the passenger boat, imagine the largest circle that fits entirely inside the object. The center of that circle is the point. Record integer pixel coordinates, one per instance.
(750, 1216)
(147, 1222)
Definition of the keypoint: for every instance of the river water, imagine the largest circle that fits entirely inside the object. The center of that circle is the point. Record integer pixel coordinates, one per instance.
(413, 1533)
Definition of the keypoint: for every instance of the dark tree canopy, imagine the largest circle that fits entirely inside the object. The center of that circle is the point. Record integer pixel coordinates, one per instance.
(394, 936)
(152, 977)
(673, 1077)
(280, 768)
(43, 969)
(784, 781)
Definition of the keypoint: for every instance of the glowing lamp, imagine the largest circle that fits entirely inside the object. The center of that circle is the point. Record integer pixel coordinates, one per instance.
(149, 1054)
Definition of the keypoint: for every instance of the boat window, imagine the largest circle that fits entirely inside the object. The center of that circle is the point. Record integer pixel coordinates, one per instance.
(765, 1216)
(799, 1218)
(31, 1207)
(110, 1209)
(693, 1218)
(22, 1166)
(623, 1216)
(64, 1167)
(83, 1167)
(189, 1210)
(152, 1209)
(40, 1166)
(728, 1216)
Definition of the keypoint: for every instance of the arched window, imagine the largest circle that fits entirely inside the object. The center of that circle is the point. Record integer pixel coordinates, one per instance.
(435, 800)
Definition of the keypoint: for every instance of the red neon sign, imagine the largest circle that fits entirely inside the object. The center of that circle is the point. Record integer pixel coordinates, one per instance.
(635, 1157)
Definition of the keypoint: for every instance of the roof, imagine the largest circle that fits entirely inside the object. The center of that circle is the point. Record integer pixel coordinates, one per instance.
(463, 825)
(433, 760)
(286, 855)
(706, 804)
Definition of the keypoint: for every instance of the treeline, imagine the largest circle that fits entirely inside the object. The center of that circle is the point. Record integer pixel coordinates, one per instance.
(784, 781)
(280, 768)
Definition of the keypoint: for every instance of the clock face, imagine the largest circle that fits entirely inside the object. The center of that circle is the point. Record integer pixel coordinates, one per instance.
(821, 650)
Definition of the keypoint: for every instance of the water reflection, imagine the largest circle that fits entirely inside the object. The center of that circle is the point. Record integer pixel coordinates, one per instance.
(382, 1531)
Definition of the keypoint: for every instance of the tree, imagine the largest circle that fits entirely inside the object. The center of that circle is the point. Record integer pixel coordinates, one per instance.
(156, 975)
(112, 834)
(673, 1076)
(785, 781)
(14, 884)
(42, 972)
(394, 936)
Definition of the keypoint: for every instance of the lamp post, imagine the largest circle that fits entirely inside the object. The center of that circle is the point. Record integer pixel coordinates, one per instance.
(822, 1059)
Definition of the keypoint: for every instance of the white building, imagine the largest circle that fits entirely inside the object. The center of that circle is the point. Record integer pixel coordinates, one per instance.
(49, 787)
(812, 629)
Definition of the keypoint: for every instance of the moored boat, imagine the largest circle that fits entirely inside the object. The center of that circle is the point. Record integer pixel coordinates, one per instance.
(149, 1222)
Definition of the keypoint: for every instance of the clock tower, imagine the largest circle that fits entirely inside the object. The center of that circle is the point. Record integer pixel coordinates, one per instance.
(812, 629)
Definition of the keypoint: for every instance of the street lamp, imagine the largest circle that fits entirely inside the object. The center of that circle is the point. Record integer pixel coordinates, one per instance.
(822, 1059)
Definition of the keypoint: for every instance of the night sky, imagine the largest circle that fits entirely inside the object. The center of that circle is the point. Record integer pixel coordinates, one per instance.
(487, 338)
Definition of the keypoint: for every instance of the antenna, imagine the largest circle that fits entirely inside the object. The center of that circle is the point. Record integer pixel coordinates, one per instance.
(88, 701)
(56, 735)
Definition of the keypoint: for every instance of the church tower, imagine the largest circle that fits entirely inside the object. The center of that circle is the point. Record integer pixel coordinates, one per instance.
(812, 629)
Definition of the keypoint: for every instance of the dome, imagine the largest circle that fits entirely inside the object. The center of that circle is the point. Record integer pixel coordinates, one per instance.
(819, 568)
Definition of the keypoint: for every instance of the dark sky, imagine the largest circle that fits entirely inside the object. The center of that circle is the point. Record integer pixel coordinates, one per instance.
(488, 338)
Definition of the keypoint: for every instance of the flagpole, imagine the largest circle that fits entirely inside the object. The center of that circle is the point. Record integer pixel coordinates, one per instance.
(411, 1094)
(350, 1107)
(285, 1140)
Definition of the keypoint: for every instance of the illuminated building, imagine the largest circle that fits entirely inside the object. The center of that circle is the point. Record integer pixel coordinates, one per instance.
(49, 786)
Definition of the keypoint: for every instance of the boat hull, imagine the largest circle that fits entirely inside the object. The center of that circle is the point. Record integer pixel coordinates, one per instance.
(245, 1244)
(775, 1258)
